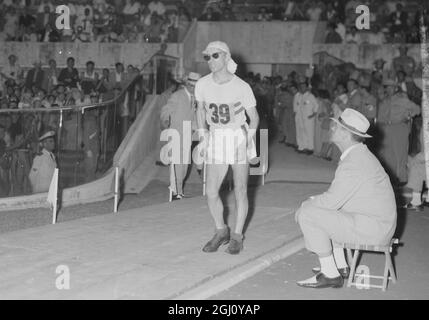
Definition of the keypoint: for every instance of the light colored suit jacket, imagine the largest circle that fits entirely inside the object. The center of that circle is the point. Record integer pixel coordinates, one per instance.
(361, 186)
(178, 108)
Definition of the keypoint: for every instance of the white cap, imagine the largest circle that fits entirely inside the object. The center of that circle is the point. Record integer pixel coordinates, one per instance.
(219, 45)
(354, 121)
(193, 76)
(47, 135)
(222, 46)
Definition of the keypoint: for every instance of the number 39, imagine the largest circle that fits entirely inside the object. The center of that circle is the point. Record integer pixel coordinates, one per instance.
(220, 113)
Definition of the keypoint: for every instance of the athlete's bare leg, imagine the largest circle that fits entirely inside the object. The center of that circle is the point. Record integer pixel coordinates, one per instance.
(215, 175)
(241, 176)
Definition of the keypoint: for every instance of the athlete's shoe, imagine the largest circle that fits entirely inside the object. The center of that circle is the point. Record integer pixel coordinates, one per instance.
(177, 197)
(235, 244)
(221, 237)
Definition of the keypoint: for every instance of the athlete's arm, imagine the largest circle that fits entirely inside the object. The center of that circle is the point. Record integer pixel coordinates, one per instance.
(253, 120)
(201, 118)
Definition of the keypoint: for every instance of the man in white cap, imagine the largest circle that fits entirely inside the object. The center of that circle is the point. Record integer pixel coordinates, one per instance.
(359, 206)
(223, 100)
(175, 114)
(44, 164)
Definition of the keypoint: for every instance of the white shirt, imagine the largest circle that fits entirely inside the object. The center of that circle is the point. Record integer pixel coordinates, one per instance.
(225, 104)
(305, 104)
(347, 151)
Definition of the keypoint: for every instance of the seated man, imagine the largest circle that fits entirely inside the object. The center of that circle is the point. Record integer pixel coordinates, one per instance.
(359, 206)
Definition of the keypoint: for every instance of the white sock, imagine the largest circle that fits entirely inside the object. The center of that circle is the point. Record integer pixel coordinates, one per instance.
(340, 259)
(416, 200)
(328, 267)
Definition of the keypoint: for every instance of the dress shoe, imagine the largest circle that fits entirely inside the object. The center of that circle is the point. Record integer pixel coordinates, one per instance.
(344, 272)
(221, 237)
(235, 244)
(323, 281)
(177, 197)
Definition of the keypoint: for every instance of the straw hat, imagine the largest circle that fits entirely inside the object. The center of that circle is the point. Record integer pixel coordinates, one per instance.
(354, 121)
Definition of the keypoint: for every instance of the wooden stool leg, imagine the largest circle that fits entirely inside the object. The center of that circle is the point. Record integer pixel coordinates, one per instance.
(353, 268)
(391, 269)
(386, 270)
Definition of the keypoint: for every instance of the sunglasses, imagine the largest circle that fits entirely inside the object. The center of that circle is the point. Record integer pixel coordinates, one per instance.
(215, 56)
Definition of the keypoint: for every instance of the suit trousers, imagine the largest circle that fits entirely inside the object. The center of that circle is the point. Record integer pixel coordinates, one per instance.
(322, 226)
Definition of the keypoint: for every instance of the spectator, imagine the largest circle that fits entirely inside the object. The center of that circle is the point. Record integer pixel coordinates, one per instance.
(156, 6)
(35, 76)
(51, 76)
(26, 19)
(155, 29)
(331, 12)
(5, 163)
(103, 85)
(44, 164)
(50, 34)
(26, 100)
(416, 175)
(89, 78)
(228, 15)
(263, 14)
(305, 108)
(184, 20)
(10, 27)
(377, 36)
(179, 109)
(69, 76)
(91, 145)
(341, 29)
(352, 36)
(398, 19)
(119, 77)
(131, 7)
(85, 23)
(210, 15)
(277, 11)
(394, 115)
(12, 71)
(404, 62)
(43, 4)
(322, 125)
(314, 12)
(332, 36)
(101, 22)
(408, 86)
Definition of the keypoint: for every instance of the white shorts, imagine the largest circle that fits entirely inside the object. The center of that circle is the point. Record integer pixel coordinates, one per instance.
(230, 146)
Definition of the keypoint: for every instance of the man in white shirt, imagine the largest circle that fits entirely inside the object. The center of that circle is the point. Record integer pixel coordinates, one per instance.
(305, 108)
(44, 164)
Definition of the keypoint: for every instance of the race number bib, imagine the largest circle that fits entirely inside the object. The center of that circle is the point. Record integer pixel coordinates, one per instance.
(222, 114)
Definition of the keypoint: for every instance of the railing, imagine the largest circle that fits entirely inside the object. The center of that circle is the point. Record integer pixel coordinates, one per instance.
(86, 136)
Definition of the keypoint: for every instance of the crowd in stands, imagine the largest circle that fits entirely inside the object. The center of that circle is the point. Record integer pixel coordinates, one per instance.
(390, 21)
(44, 87)
(137, 21)
(123, 21)
(300, 107)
